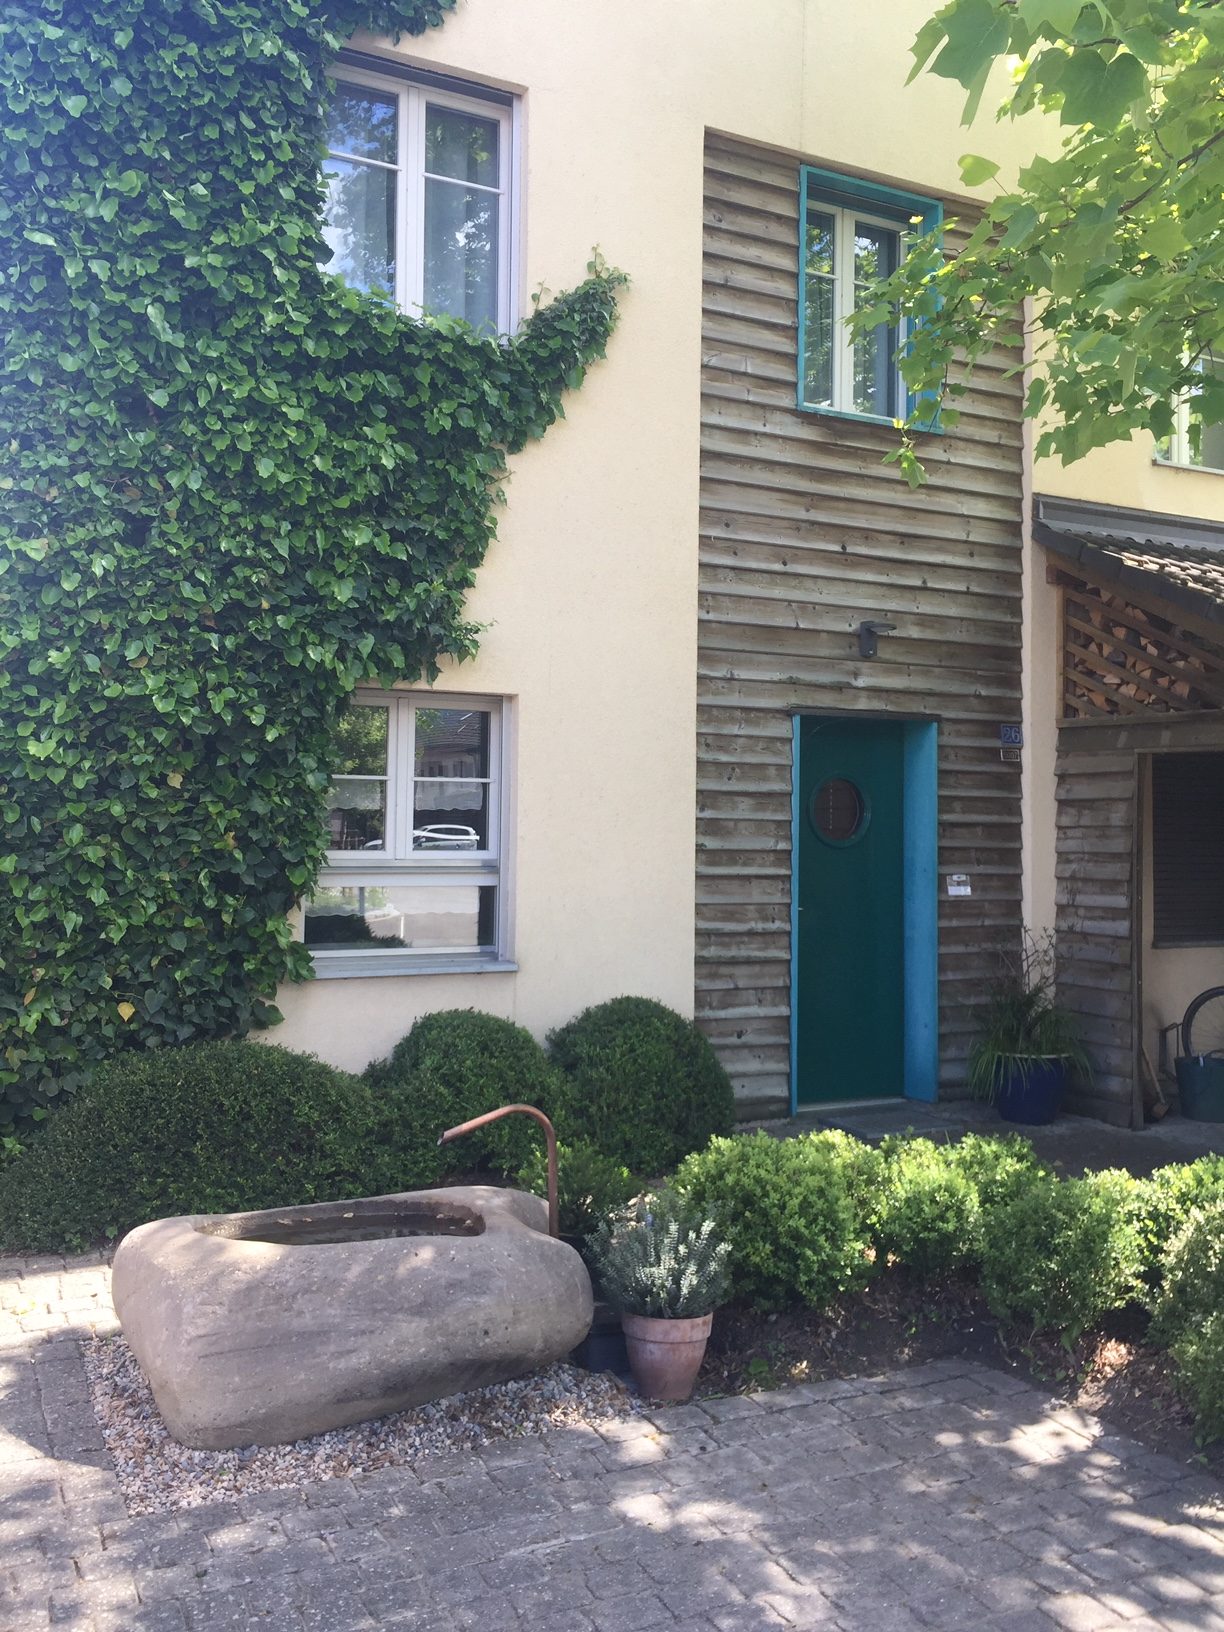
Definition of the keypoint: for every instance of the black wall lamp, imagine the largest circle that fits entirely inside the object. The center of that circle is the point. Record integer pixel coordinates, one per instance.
(869, 645)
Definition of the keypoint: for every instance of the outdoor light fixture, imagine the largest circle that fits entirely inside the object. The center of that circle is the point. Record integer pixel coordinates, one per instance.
(867, 633)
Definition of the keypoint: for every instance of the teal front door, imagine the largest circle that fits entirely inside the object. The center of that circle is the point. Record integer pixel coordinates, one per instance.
(849, 988)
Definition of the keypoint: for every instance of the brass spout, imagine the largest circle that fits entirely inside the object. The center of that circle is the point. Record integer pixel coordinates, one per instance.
(550, 1142)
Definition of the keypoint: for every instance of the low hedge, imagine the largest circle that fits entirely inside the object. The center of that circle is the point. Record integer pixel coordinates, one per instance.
(215, 1127)
(925, 1214)
(788, 1209)
(1057, 1254)
(640, 1082)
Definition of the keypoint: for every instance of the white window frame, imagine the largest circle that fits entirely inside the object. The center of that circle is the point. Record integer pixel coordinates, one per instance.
(844, 219)
(412, 98)
(401, 859)
(1180, 455)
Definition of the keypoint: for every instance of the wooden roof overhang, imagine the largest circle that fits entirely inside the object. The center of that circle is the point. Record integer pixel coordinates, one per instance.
(1142, 610)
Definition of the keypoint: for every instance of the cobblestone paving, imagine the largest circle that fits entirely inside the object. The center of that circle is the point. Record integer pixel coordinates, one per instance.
(944, 1496)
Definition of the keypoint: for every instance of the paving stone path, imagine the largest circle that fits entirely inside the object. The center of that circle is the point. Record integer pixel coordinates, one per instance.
(944, 1496)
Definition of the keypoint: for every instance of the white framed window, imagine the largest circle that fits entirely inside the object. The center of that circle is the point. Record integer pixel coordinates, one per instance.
(852, 232)
(420, 194)
(417, 818)
(1194, 444)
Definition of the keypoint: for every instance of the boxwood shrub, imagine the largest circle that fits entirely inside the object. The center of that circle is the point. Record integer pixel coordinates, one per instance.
(997, 1165)
(1058, 1253)
(1164, 1203)
(453, 1065)
(927, 1216)
(785, 1206)
(1192, 1274)
(214, 1127)
(641, 1083)
(590, 1185)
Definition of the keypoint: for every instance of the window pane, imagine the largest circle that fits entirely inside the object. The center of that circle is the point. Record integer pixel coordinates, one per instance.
(359, 224)
(461, 230)
(876, 387)
(361, 741)
(357, 798)
(357, 813)
(452, 742)
(451, 917)
(450, 816)
(461, 146)
(819, 242)
(1209, 451)
(875, 372)
(363, 123)
(818, 316)
(818, 343)
(875, 252)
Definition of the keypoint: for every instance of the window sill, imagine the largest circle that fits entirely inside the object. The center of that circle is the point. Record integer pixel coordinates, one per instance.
(854, 418)
(363, 965)
(1175, 464)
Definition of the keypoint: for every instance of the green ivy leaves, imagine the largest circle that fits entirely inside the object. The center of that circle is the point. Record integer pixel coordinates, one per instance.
(233, 490)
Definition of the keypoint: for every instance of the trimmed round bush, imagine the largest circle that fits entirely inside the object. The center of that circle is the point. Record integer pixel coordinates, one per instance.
(215, 1127)
(997, 1165)
(927, 1215)
(1059, 1253)
(641, 1083)
(454, 1065)
(1164, 1202)
(785, 1208)
(1192, 1274)
(590, 1185)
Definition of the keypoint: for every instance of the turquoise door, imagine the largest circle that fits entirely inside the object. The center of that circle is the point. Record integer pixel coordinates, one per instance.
(850, 976)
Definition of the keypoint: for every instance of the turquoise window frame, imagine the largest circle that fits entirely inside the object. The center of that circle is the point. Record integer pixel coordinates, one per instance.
(849, 193)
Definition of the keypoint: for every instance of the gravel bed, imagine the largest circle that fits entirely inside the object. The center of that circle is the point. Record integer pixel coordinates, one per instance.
(156, 1474)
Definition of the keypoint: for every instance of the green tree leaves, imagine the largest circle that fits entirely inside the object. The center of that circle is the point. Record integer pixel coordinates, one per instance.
(1115, 235)
(233, 490)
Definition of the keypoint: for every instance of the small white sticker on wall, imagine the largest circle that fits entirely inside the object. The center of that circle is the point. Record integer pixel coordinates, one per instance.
(958, 884)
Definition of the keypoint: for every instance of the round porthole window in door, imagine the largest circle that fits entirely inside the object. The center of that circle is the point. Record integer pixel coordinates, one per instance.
(838, 811)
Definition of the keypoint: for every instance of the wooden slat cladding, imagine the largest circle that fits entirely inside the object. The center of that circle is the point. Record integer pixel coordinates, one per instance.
(805, 533)
(1123, 658)
(1095, 847)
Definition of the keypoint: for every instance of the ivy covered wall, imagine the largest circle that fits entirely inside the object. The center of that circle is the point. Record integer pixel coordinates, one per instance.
(233, 489)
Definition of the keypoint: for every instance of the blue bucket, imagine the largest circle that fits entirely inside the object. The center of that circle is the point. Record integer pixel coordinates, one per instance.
(1200, 1080)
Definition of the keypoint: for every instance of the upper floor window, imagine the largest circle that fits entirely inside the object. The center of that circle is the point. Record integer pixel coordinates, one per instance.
(416, 855)
(1193, 443)
(852, 232)
(419, 195)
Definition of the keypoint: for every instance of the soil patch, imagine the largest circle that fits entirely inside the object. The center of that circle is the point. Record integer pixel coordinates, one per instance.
(1111, 1372)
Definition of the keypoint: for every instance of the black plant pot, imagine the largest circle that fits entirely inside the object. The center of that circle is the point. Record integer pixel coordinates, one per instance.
(1031, 1090)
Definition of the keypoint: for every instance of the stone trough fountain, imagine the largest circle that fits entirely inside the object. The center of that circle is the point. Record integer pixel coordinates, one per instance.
(269, 1326)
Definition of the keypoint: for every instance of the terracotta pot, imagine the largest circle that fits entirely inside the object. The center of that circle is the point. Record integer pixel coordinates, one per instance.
(665, 1355)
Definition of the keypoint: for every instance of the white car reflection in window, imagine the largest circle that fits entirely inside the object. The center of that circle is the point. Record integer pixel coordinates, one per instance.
(445, 836)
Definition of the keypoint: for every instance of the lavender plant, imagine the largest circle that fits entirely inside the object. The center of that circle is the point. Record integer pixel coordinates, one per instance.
(661, 1258)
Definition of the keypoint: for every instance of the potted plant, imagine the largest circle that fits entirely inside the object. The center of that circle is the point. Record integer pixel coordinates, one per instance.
(663, 1266)
(1029, 1046)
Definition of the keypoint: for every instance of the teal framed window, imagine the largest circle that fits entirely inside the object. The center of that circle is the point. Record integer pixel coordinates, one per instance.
(852, 232)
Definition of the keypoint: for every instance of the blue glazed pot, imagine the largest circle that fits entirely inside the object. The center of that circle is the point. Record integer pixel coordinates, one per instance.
(1032, 1091)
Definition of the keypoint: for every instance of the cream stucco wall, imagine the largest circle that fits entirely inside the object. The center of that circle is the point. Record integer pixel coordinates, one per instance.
(1126, 473)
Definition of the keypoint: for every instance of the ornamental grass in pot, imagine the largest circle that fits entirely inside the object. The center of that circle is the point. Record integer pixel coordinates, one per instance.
(663, 1266)
(1029, 1046)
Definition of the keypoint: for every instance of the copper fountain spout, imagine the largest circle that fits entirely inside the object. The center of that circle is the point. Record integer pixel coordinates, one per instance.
(550, 1141)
